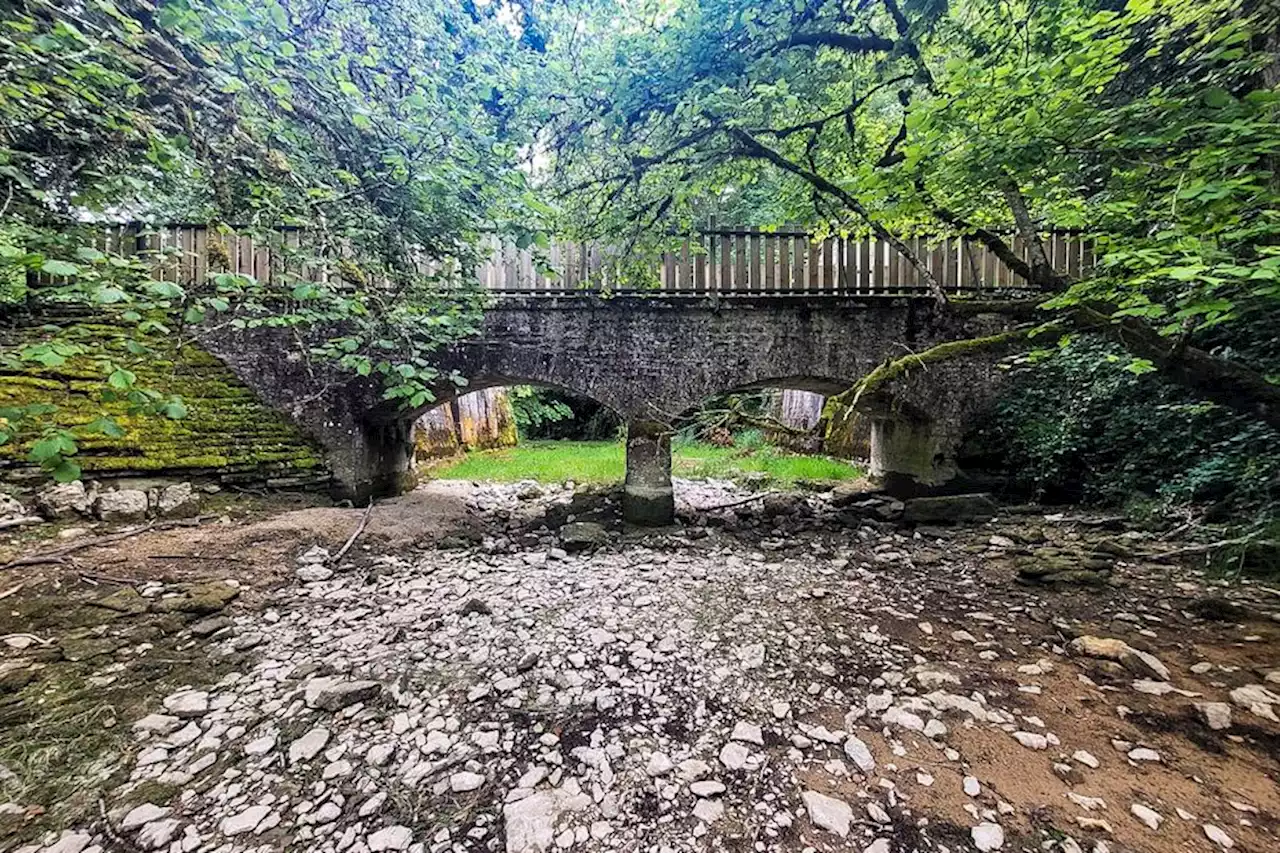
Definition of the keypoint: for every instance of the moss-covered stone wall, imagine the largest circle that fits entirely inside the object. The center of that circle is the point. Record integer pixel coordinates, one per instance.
(228, 435)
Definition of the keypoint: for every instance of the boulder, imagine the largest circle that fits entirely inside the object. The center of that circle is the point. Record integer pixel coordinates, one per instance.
(177, 501)
(581, 535)
(64, 500)
(121, 505)
(949, 509)
(333, 695)
(10, 507)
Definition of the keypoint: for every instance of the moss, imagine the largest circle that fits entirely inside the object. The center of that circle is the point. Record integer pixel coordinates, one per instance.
(226, 428)
(897, 368)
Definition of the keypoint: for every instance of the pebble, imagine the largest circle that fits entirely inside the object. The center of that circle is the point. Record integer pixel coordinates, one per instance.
(987, 836)
(828, 813)
(1147, 815)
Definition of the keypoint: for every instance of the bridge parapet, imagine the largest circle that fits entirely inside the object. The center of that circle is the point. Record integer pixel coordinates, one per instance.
(729, 262)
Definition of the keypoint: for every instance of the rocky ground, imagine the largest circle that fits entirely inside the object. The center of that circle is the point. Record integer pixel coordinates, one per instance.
(792, 672)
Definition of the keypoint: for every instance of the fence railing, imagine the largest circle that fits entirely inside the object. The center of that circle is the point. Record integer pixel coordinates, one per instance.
(725, 262)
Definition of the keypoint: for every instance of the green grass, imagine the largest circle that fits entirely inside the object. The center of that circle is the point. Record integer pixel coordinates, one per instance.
(602, 462)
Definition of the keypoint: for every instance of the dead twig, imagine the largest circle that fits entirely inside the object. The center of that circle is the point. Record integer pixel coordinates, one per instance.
(11, 590)
(732, 504)
(56, 555)
(21, 521)
(1249, 539)
(355, 534)
(96, 578)
(32, 637)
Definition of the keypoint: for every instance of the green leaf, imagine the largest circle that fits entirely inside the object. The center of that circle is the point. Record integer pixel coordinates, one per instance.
(121, 379)
(60, 268)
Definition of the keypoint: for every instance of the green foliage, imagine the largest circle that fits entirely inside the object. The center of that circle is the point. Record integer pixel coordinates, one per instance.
(387, 132)
(536, 407)
(1080, 425)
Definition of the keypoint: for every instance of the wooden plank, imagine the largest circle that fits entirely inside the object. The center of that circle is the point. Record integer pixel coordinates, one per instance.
(755, 265)
(799, 248)
(700, 265)
(200, 248)
(828, 280)
(868, 264)
(686, 266)
(770, 283)
(726, 270)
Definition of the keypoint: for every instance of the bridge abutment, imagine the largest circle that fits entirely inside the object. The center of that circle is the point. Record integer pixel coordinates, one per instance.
(647, 497)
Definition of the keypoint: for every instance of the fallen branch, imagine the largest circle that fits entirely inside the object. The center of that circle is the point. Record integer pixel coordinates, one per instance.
(56, 555)
(22, 636)
(11, 590)
(96, 578)
(1191, 550)
(364, 519)
(732, 504)
(21, 521)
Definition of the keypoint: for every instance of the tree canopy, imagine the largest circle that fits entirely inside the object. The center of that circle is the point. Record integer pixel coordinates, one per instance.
(1151, 125)
(398, 133)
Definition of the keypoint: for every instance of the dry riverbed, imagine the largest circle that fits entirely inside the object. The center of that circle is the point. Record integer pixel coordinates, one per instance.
(797, 672)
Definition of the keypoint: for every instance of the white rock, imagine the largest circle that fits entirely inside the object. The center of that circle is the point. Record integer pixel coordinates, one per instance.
(1031, 740)
(734, 756)
(860, 754)
(1142, 753)
(880, 845)
(659, 764)
(708, 811)
(187, 703)
(971, 786)
(142, 814)
(157, 834)
(245, 821)
(1086, 758)
(309, 745)
(390, 838)
(747, 733)
(987, 836)
(464, 781)
(828, 813)
(1217, 836)
(707, 788)
(1216, 715)
(1147, 815)
(70, 842)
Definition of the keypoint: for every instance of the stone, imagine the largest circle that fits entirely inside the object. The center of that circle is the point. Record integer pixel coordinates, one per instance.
(658, 765)
(1257, 699)
(464, 781)
(63, 501)
(949, 509)
(1147, 815)
(1216, 715)
(747, 733)
(187, 703)
(860, 754)
(880, 845)
(828, 813)
(70, 842)
(1086, 758)
(1143, 753)
(177, 501)
(158, 834)
(245, 821)
(141, 814)
(734, 756)
(707, 788)
(121, 505)
(391, 838)
(309, 745)
(334, 695)
(1217, 836)
(1031, 740)
(987, 836)
(314, 573)
(530, 822)
(158, 724)
(581, 535)
(971, 786)
(1136, 661)
(708, 811)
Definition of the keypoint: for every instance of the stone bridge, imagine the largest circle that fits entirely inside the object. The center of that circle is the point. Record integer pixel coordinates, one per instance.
(650, 359)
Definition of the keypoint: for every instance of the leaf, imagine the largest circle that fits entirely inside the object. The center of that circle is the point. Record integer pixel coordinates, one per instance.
(66, 471)
(175, 409)
(121, 379)
(60, 268)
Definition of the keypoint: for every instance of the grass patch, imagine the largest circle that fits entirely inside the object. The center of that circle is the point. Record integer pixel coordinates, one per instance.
(603, 462)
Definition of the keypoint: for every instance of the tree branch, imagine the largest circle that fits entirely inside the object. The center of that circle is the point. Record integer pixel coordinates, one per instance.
(840, 41)
(754, 148)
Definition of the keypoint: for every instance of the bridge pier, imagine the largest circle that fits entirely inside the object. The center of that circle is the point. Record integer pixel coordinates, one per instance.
(909, 457)
(647, 497)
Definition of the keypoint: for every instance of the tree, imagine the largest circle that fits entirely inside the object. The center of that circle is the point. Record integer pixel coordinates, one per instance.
(388, 131)
(1153, 124)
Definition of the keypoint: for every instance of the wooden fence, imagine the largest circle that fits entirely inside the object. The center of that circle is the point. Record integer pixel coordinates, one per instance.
(726, 262)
